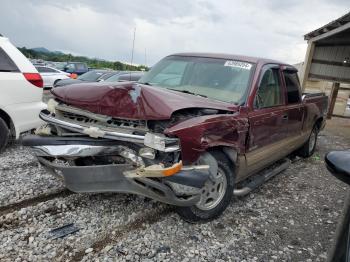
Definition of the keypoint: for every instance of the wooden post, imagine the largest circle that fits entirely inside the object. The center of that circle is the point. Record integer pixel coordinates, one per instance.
(307, 64)
(333, 97)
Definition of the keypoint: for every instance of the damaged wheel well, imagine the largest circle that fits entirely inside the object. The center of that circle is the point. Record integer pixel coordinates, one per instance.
(229, 152)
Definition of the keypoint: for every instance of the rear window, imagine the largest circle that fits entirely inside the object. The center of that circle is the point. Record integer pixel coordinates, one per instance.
(6, 64)
(80, 66)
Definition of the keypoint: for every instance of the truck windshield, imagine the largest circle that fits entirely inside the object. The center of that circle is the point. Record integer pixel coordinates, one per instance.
(219, 79)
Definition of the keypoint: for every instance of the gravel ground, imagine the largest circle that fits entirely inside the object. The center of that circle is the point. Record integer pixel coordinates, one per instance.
(290, 218)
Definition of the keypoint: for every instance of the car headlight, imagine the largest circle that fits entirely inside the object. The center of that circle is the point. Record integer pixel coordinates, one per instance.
(161, 143)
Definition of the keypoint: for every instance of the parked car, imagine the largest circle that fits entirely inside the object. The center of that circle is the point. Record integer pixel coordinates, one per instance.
(51, 75)
(21, 91)
(125, 76)
(91, 76)
(338, 163)
(190, 133)
(78, 68)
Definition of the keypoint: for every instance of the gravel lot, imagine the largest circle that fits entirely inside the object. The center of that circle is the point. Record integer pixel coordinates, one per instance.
(291, 218)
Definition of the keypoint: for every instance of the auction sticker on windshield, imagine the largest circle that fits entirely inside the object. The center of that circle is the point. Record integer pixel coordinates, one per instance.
(238, 64)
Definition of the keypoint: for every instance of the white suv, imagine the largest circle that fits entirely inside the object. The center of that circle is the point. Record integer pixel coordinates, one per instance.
(20, 93)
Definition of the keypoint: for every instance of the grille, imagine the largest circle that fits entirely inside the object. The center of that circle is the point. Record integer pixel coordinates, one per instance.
(106, 122)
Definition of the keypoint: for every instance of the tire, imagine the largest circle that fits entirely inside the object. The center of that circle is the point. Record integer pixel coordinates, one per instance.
(309, 147)
(204, 212)
(4, 135)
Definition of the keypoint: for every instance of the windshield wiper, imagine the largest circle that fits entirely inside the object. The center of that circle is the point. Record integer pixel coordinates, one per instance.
(187, 92)
(145, 83)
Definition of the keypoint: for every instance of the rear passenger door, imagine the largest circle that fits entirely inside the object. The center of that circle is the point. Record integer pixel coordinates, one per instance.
(295, 109)
(268, 120)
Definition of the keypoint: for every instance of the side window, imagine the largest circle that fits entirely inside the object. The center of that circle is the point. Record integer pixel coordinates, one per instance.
(70, 67)
(43, 69)
(50, 70)
(293, 87)
(40, 69)
(6, 63)
(269, 93)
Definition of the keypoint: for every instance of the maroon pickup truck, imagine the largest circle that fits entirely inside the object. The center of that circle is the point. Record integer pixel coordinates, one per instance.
(196, 129)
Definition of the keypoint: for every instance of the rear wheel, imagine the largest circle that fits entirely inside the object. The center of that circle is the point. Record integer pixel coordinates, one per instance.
(4, 134)
(215, 195)
(309, 147)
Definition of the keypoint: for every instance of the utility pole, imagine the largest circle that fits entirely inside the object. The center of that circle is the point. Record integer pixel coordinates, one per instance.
(145, 57)
(133, 47)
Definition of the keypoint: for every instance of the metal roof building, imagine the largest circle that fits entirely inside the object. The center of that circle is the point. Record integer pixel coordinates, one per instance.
(328, 55)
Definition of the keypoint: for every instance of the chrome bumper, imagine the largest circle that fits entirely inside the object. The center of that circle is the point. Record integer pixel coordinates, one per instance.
(97, 132)
(73, 150)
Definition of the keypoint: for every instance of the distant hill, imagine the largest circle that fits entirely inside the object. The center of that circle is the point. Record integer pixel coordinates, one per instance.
(45, 50)
(58, 56)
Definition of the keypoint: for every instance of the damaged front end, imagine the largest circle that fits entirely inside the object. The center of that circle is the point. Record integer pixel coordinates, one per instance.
(98, 153)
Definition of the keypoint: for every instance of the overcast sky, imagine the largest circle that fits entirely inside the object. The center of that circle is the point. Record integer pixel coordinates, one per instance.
(104, 29)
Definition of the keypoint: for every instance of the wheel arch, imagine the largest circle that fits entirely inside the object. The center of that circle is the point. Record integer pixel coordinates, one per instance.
(8, 121)
(319, 122)
(230, 153)
(55, 82)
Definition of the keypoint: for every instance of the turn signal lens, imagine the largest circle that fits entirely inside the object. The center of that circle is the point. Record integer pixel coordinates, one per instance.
(173, 169)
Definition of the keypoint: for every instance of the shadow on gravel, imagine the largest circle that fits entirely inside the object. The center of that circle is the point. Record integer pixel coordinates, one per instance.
(33, 201)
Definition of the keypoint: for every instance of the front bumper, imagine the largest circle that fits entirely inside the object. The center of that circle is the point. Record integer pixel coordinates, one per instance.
(111, 178)
(115, 177)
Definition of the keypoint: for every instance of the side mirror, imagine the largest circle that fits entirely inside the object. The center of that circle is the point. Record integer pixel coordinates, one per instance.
(338, 163)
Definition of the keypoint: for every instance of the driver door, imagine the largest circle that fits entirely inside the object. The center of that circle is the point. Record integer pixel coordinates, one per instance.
(268, 121)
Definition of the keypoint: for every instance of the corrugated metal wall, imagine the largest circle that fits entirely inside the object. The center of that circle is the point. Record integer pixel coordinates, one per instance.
(328, 63)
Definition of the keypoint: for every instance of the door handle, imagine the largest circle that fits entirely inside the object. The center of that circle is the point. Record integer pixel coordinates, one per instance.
(285, 117)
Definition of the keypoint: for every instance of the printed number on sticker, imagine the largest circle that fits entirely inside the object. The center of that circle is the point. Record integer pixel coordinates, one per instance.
(238, 64)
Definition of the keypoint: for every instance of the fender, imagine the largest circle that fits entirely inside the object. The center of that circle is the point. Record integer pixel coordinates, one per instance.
(201, 133)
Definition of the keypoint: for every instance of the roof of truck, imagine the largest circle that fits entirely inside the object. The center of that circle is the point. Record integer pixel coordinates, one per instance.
(249, 59)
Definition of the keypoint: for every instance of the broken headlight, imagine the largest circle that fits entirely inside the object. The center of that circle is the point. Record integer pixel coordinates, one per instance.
(161, 143)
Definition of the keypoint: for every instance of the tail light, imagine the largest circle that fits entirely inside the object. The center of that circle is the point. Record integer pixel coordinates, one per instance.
(73, 75)
(34, 78)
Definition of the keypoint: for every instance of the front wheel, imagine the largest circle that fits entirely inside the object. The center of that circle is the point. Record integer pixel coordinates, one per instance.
(309, 147)
(215, 195)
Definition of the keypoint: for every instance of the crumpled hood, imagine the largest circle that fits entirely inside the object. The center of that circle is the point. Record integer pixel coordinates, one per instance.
(132, 100)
